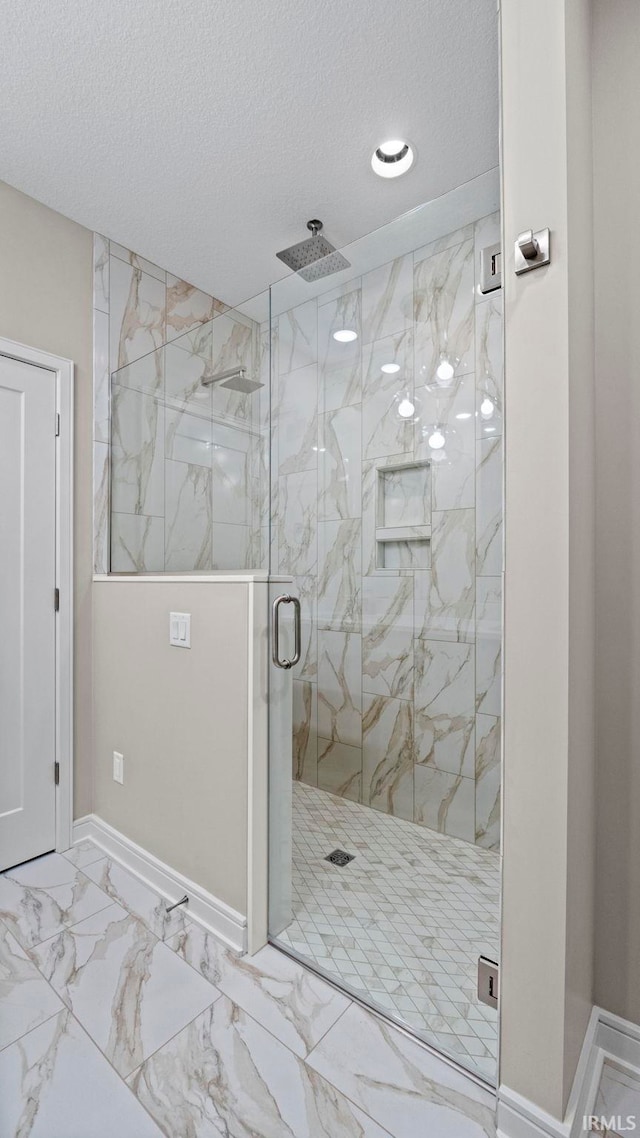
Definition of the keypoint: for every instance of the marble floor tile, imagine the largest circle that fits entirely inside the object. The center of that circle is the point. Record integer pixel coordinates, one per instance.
(26, 1000)
(293, 1004)
(43, 896)
(225, 1074)
(127, 989)
(399, 1083)
(56, 1084)
(83, 853)
(139, 899)
(403, 924)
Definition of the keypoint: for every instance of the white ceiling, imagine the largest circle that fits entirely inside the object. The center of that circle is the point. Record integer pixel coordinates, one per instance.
(204, 133)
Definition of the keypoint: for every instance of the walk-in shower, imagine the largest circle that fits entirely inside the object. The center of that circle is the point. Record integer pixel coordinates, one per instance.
(343, 434)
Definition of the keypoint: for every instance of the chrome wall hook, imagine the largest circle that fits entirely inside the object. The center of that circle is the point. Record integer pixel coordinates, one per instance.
(532, 250)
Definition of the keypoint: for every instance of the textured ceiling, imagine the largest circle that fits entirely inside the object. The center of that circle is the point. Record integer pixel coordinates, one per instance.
(204, 133)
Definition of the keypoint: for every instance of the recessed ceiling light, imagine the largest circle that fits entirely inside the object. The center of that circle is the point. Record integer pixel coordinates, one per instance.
(392, 158)
(390, 369)
(345, 335)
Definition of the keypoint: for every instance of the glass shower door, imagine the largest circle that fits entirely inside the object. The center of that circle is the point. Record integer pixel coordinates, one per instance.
(386, 509)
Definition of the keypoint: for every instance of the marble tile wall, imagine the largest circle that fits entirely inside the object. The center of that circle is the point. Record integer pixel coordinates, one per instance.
(179, 469)
(397, 697)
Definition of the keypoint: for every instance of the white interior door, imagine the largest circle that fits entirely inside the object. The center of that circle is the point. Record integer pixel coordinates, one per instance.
(27, 613)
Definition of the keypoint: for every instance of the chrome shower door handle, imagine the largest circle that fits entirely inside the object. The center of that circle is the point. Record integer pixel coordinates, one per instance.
(285, 599)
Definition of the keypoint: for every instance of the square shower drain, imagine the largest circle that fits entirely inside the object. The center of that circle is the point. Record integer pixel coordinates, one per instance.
(339, 857)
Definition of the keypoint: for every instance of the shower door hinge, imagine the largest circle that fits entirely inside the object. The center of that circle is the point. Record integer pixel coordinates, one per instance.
(56, 600)
(56, 773)
(488, 981)
(58, 425)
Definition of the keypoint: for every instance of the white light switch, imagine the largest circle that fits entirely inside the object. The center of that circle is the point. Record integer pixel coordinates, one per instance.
(118, 767)
(180, 629)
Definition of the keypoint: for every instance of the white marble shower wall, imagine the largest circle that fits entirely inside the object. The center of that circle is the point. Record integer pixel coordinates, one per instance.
(397, 696)
(179, 468)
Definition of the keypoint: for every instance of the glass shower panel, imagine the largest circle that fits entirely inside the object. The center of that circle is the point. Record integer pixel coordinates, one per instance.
(190, 449)
(386, 478)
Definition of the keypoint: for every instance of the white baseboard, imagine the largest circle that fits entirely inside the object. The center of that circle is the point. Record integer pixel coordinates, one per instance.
(216, 916)
(607, 1036)
(516, 1117)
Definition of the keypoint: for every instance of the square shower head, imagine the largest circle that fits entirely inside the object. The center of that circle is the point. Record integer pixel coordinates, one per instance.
(243, 383)
(314, 258)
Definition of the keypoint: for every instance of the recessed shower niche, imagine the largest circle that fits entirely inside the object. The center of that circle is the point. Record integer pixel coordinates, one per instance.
(403, 516)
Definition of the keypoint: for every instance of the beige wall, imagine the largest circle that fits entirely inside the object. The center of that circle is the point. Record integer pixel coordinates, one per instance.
(546, 959)
(616, 122)
(45, 302)
(180, 718)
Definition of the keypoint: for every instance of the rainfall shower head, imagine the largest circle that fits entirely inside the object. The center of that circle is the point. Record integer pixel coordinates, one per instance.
(236, 378)
(315, 257)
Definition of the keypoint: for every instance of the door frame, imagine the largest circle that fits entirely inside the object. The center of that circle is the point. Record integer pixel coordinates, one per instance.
(63, 372)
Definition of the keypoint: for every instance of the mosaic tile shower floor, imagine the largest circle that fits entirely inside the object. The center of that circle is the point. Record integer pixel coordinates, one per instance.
(403, 924)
